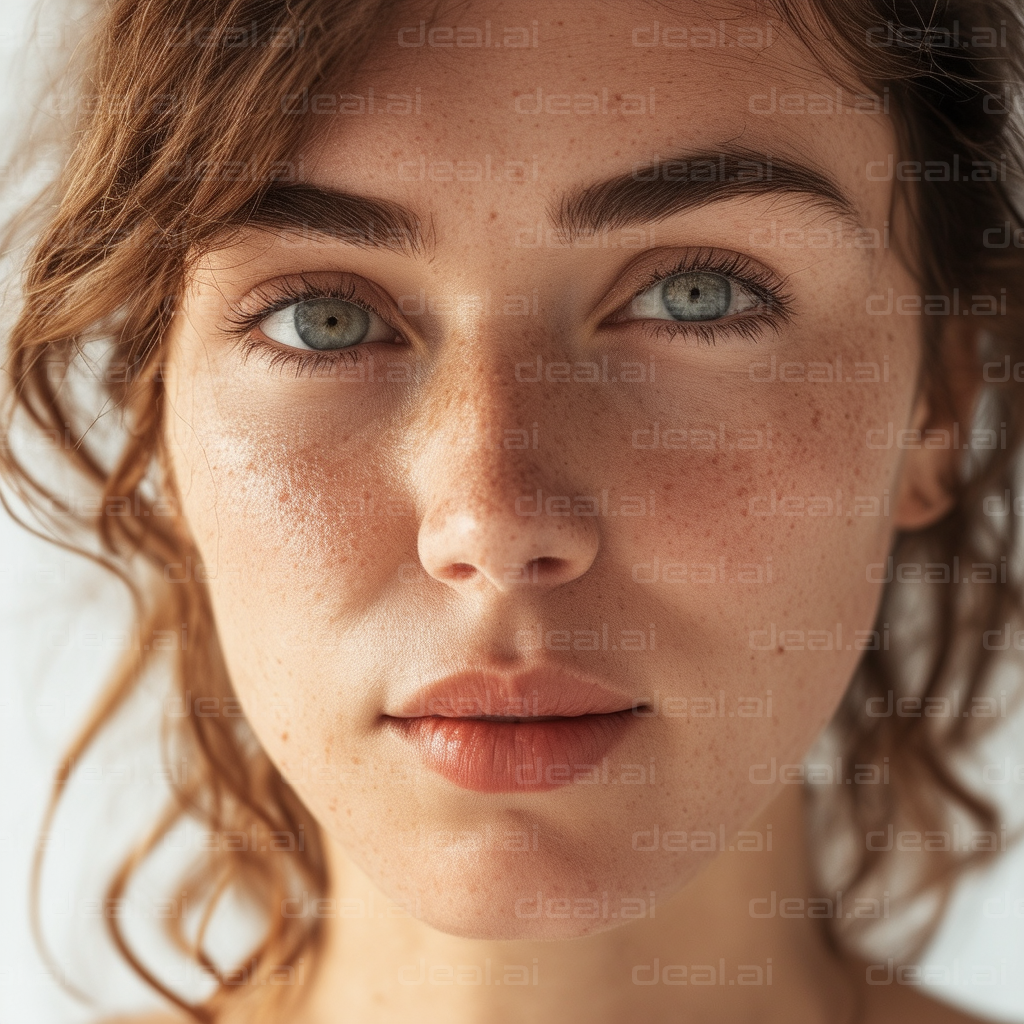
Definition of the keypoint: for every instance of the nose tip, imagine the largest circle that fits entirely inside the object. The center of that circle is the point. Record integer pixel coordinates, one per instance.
(509, 552)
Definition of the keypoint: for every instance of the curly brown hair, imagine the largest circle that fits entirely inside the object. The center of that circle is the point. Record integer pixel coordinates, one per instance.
(152, 178)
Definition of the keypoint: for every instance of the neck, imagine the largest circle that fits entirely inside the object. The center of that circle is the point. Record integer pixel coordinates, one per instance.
(702, 956)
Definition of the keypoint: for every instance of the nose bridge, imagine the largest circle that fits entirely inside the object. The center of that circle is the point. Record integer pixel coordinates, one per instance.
(487, 425)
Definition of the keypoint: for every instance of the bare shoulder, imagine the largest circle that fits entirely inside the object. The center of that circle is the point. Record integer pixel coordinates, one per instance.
(897, 1004)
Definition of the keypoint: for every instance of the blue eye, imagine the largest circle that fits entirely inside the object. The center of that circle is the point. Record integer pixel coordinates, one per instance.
(325, 324)
(695, 296)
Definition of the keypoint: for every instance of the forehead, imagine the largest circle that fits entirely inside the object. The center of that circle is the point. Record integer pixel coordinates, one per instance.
(558, 93)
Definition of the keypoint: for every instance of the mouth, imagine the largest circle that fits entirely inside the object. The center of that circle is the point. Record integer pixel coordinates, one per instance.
(527, 733)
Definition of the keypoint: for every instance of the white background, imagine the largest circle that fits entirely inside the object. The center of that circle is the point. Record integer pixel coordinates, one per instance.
(59, 626)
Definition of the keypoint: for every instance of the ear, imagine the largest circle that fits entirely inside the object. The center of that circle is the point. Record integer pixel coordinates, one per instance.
(923, 495)
(927, 476)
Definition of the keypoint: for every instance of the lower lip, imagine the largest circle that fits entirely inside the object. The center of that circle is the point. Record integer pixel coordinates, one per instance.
(514, 757)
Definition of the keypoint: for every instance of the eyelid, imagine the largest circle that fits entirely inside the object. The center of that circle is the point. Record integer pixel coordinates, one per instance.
(271, 297)
(753, 276)
(756, 301)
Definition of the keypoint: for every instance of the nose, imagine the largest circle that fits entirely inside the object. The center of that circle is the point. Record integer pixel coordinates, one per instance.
(497, 510)
(462, 543)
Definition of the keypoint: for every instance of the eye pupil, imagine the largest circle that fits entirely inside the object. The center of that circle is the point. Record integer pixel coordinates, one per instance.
(697, 296)
(330, 323)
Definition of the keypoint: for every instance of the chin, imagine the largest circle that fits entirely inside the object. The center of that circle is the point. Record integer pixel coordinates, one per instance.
(497, 897)
(482, 923)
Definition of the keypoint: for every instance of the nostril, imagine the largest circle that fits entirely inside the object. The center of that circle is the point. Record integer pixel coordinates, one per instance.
(463, 548)
(546, 565)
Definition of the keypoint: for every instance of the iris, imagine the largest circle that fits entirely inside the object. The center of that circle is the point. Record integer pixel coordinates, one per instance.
(697, 296)
(330, 323)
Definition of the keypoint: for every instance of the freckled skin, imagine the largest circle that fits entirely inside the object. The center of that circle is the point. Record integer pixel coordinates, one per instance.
(321, 621)
(360, 532)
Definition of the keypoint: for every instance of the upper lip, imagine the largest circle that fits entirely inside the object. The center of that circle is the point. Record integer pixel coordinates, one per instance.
(537, 693)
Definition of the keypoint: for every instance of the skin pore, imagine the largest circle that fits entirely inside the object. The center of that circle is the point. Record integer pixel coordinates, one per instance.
(528, 468)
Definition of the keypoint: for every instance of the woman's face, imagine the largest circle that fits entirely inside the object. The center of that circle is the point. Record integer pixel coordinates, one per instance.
(574, 449)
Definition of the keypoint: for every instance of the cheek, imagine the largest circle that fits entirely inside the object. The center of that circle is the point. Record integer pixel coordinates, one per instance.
(299, 531)
(772, 506)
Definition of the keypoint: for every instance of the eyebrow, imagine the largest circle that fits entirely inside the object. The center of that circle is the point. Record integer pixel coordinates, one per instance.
(358, 220)
(667, 187)
(649, 193)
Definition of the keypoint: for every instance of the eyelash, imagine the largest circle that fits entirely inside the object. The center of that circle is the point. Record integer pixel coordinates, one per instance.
(776, 311)
(305, 364)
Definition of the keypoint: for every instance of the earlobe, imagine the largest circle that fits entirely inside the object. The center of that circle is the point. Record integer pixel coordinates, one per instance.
(927, 482)
(924, 494)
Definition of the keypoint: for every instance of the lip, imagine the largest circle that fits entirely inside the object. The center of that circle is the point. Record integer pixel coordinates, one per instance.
(529, 732)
